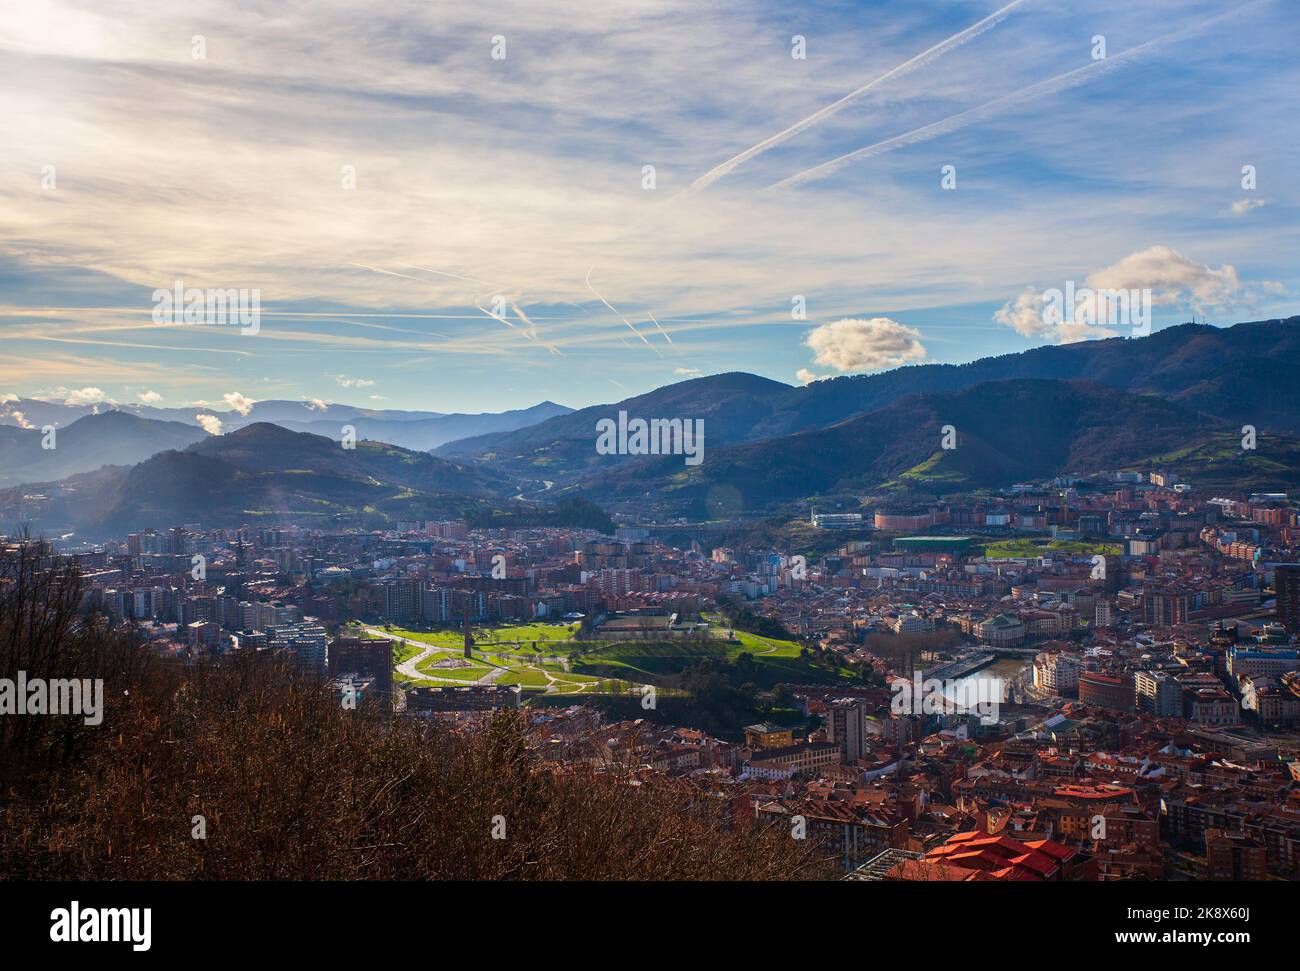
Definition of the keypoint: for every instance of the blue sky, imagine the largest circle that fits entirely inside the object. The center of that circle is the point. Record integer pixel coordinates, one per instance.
(503, 243)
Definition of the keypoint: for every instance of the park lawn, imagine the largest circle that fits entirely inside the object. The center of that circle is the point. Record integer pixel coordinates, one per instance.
(555, 667)
(766, 646)
(528, 677)
(635, 651)
(567, 689)
(754, 643)
(574, 679)
(439, 638)
(602, 664)
(502, 660)
(457, 674)
(575, 688)
(403, 651)
(523, 634)
(527, 633)
(651, 659)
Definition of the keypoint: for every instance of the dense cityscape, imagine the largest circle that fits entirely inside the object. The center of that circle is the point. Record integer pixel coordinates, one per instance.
(515, 472)
(1140, 635)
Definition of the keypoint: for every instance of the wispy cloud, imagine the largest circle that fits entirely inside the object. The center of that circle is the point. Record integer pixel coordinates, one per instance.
(477, 178)
(1054, 85)
(901, 70)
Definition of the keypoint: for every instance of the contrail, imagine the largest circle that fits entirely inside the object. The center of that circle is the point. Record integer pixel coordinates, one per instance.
(375, 269)
(530, 334)
(617, 314)
(920, 60)
(532, 331)
(454, 276)
(990, 109)
(532, 328)
(660, 326)
(500, 317)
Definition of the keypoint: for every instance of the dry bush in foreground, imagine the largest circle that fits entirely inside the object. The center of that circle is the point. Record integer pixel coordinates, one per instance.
(293, 786)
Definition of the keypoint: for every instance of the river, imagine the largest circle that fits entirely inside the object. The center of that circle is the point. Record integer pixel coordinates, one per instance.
(1004, 668)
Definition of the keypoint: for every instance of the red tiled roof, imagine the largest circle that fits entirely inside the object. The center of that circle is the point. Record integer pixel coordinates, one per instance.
(1051, 848)
(1037, 862)
(930, 870)
(1001, 856)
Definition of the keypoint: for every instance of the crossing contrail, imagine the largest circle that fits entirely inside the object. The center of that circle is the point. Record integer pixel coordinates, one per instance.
(920, 60)
(532, 331)
(990, 109)
(454, 276)
(376, 269)
(630, 326)
(660, 326)
(499, 317)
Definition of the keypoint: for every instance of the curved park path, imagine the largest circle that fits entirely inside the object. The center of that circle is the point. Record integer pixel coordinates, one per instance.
(410, 667)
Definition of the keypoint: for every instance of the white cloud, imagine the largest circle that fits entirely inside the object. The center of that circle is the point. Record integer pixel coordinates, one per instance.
(1027, 316)
(348, 382)
(854, 344)
(238, 402)
(1174, 280)
(149, 397)
(1243, 206)
(81, 396)
(808, 377)
(688, 372)
(1024, 314)
(316, 404)
(209, 423)
(7, 397)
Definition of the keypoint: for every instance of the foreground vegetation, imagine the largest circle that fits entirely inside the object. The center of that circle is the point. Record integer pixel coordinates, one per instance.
(288, 784)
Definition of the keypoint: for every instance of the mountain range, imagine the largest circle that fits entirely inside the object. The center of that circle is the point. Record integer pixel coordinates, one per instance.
(263, 472)
(421, 430)
(1239, 374)
(1176, 400)
(111, 438)
(1002, 432)
(426, 434)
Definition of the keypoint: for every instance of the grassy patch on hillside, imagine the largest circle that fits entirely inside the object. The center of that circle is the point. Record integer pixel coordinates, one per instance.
(930, 472)
(754, 643)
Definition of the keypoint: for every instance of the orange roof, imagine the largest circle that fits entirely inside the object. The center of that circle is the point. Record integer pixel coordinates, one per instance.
(1001, 856)
(1037, 862)
(1051, 848)
(929, 870)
